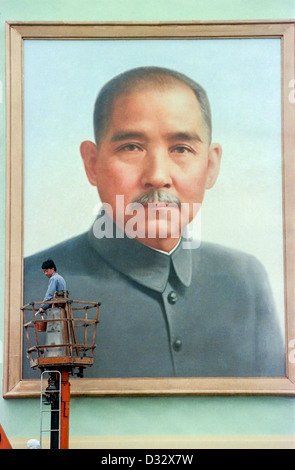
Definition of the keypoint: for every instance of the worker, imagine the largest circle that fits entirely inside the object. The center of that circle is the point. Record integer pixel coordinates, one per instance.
(56, 283)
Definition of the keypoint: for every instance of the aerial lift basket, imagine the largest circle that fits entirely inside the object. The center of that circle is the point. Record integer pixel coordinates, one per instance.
(64, 336)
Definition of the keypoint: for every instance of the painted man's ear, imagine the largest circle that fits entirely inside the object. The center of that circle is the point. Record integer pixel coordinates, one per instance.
(88, 152)
(214, 158)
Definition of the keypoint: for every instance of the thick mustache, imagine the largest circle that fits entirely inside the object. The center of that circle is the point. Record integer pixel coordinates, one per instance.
(157, 195)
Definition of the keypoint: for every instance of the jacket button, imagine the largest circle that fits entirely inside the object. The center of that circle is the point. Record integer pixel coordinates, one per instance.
(172, 297)
(177, 345)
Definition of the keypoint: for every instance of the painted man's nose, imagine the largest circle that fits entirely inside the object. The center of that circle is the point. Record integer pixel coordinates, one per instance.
(157, 172)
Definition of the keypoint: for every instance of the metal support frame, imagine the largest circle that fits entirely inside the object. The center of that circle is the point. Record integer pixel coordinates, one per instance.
(63, 353)
(57, 396)
(51, 403)
(65, 410)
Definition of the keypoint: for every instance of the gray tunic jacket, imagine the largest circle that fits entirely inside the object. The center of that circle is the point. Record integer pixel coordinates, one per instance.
(206, 312)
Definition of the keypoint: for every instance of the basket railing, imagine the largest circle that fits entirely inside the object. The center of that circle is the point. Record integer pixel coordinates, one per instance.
(77, 323)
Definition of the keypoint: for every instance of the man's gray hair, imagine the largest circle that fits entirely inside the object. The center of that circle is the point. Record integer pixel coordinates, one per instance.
(139, 79)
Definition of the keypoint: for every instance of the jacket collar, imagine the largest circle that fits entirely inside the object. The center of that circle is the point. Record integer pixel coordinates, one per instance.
(141, 263)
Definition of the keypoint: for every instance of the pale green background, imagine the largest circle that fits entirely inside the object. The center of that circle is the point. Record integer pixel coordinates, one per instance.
(157, 415)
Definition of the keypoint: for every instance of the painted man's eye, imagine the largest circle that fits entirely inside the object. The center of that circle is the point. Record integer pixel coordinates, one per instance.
(181, 149)
(130, 148)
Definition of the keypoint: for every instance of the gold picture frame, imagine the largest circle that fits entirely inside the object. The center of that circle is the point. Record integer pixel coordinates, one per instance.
(14, 386)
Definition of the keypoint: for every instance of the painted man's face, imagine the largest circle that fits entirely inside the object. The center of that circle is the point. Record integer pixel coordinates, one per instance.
(156, 140)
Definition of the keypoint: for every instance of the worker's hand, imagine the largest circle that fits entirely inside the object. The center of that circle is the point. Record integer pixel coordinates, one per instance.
(41, 310)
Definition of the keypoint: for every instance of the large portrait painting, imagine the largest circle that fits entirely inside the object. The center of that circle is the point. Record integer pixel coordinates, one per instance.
(150, 170)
